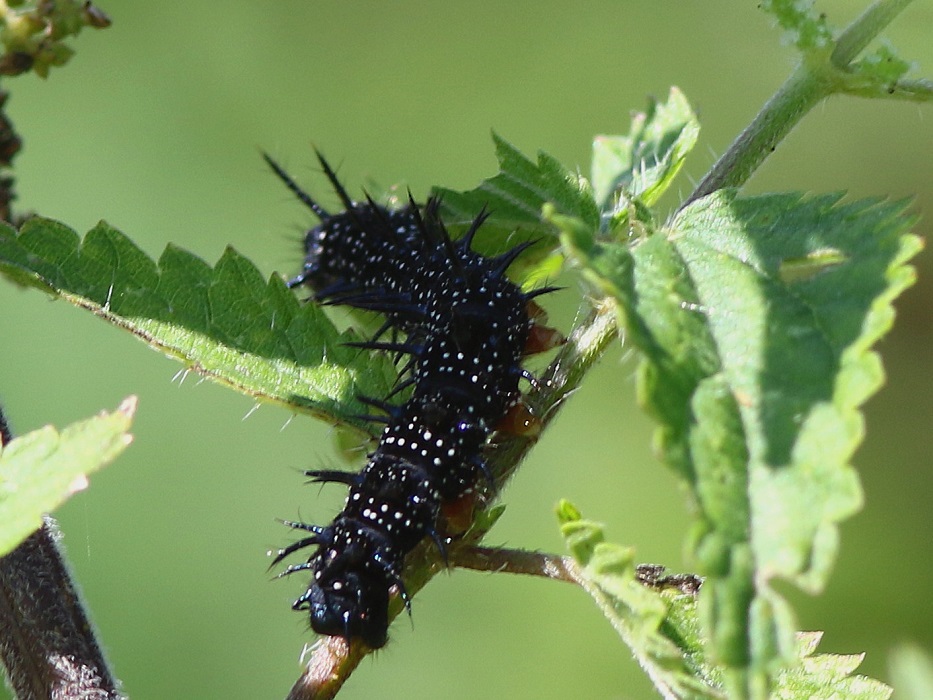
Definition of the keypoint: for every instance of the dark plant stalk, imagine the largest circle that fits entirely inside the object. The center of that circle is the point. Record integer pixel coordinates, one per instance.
(10, 145)
(47, 644)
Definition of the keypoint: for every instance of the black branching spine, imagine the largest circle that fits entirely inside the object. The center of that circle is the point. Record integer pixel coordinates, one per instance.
(466, 328)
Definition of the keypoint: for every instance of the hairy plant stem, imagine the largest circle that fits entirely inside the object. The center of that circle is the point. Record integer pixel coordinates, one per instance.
(802, 90)
(47, 644)
(817, 77)
(863, 30)
(561, 568)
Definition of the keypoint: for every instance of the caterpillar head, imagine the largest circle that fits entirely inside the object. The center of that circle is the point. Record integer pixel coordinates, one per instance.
(349, 604)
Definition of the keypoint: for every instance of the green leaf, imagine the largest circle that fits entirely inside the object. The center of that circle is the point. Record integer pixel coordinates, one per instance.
(662, 628)
(806, 29)
(515, 196)
(755, 319)
(642, 164)
(41, 470)
(912, 673)
(514, 200)
(658, 625)
(882, 66)
(226, 322)
(826, 676)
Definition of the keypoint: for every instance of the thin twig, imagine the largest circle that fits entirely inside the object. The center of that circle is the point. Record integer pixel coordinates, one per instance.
(797, 96)
(332, 660)
(517, 561)
(562, 568)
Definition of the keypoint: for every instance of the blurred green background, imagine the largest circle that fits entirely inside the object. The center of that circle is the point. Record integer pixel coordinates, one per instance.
(156, 126)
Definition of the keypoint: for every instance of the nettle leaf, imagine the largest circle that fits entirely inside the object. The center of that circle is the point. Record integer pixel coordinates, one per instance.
(514, 200)
(662, 628)
(226, 322)
(40, 470)
(755, 318)
(515, 196)
(659, 626)
(825, 676)
(642, 164)
(805, 28)
(523, 198)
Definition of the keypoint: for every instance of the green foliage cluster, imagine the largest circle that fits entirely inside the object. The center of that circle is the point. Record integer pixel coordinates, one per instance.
(661, 626)
(754, 319)
(805, 29)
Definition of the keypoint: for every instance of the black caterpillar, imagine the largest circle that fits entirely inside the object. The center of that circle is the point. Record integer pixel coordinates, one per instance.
(466, 328)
